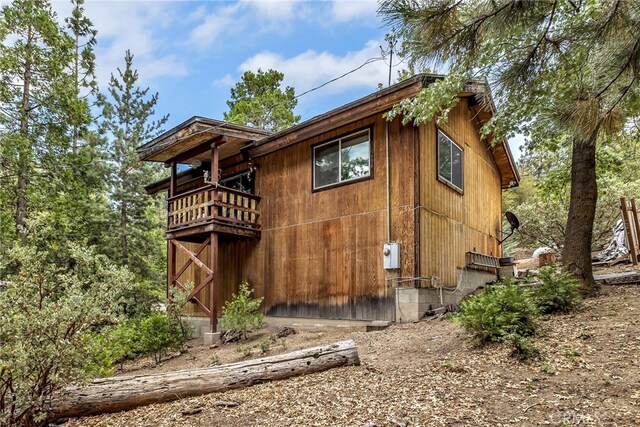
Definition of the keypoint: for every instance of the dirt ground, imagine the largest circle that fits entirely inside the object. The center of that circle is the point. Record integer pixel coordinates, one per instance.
(430, 374)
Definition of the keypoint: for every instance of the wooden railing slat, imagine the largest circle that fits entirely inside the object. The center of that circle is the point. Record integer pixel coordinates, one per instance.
(213, 203)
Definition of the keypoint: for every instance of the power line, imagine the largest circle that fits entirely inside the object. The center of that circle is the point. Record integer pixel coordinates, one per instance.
(367, 62)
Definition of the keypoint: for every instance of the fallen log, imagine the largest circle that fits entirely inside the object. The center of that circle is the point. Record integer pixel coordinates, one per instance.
(128, 392)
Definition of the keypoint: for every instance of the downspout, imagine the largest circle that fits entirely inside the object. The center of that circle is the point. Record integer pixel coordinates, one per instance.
(386, 147)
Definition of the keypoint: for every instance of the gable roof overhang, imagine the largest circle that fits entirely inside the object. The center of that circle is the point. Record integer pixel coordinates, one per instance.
(232, 139)
(484, 109)
(186, 136)
(383, 100)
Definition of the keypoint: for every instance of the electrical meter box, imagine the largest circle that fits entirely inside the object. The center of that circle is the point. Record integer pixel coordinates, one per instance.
(391, 256)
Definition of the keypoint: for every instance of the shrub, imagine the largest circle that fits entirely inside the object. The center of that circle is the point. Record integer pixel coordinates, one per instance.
(154, 335)
(242, 314)
(265, 346)
(244, 349)
(499, 311)
(521, 347)
(558, 291)
(159, 333)
(49, 313)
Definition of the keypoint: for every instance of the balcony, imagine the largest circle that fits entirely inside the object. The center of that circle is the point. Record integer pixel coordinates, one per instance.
(213, 208)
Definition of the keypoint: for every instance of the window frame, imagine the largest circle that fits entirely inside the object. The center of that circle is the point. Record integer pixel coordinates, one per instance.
(442, 179)
(338, 141)
(236, 175)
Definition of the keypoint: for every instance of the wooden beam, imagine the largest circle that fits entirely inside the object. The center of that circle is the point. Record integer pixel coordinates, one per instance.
(194, 299)
(201, 286)
(171, 268)
(189, 261)
(200, 149)
(173, 179)
(191, 255)
(636, 223)
(627, 226)
(213, 252)
(215, 163)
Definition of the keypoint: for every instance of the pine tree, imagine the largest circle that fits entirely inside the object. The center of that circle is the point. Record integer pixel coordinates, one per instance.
(258, 101)
(83, 69)
(127, 123)
(34, 88)
(558, 67)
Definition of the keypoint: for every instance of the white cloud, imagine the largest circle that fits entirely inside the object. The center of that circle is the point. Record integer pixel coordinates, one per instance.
(348, 10)
(213, 25)
(273, 10)
(310, 69)
(246, 18)
(137, 26)
(226, 81)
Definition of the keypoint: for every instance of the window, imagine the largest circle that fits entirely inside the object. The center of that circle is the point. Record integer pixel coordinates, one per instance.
(241, 182)
(449, 162)
(342, 160)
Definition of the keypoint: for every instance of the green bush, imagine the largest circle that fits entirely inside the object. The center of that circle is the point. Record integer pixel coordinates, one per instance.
(498, 312)
(154, 335)
(521, 347)
(558, 291)
(159, 334)
(242, 314)
(49, 314)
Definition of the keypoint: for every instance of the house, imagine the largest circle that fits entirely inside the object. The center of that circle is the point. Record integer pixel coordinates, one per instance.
(344, 216)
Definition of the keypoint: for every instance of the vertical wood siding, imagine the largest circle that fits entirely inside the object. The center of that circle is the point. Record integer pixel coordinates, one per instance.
(452, 223)
(320, 253)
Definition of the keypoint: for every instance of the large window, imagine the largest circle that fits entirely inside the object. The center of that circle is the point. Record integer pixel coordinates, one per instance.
(449, 162)
(345, 159)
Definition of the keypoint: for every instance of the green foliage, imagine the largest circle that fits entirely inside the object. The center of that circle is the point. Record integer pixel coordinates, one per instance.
(215, 359)
(241, 314)
(548, 369)
(265, 346)
(244, 350)
(499, 311)
(258, 101)
(138, 219)
(558, 291)
(48, 314)
(155, 335)
(542, 199)
(521, 347)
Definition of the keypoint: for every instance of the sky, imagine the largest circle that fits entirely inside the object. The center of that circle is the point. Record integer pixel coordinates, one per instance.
(193, 52)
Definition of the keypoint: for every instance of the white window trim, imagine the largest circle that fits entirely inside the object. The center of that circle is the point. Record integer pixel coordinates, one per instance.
(442, 178)
(339, 142)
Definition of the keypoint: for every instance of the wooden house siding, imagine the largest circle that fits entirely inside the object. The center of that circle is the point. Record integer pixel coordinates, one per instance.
(320, 253)
(452, 223)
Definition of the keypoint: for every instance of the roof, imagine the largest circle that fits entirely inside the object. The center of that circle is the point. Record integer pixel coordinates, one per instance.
(193, 132)
(232, 139)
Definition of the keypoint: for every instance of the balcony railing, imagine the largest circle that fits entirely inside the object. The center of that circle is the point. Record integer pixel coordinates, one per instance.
(213, 203)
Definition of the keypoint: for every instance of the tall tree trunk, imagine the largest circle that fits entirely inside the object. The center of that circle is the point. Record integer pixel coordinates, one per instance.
(124, 244)
(23, 158)
(582, 210)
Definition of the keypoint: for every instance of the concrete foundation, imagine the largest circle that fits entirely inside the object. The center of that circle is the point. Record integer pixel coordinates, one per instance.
(201, 326)
(211, 337)
(413, 303)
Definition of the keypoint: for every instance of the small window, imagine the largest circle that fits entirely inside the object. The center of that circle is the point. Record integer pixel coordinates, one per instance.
(449, 161)
(342, 160)
(241, 182)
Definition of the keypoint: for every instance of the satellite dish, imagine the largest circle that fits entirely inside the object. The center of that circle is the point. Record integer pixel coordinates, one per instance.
(513, 220)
